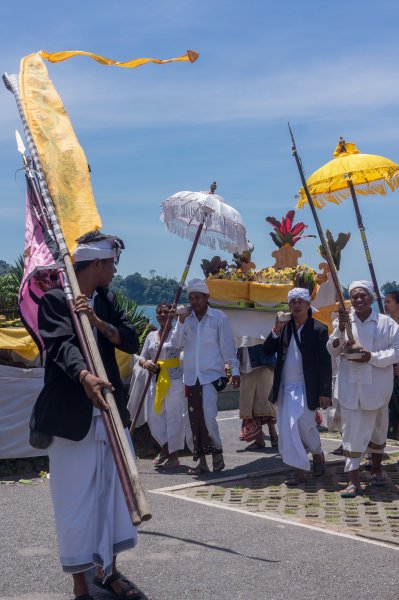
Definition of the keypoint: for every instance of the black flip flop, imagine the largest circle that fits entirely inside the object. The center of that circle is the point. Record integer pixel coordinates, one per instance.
(108, 587)
(255, 447)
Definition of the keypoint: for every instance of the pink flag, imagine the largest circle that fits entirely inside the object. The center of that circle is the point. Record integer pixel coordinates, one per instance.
(41, 262)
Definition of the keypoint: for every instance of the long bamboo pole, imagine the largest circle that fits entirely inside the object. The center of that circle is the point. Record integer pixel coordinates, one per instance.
(365, 244)
(326, 248)
(122, 472)
(116, 431)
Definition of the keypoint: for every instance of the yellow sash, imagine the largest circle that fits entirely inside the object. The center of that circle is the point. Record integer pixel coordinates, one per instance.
(163, 382)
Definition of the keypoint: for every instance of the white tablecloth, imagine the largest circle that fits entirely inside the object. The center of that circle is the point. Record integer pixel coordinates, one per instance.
(19, 389)
(250, 322)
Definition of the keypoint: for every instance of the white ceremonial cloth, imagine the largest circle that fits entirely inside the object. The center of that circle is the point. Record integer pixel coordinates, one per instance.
(367, 385)
(172, 426)
(363, 431)
(250, 322)
(91, 516)
(139, 377)
(208, 344)
(298, 433)
(19, 390)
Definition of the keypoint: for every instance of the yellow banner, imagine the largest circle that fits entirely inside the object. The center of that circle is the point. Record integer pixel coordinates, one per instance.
(18, 340)
(55, 57)
(62, 158)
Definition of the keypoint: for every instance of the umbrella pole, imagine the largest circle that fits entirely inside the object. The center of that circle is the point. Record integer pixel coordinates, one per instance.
(139, 406)
(326, 247)
(365, 245)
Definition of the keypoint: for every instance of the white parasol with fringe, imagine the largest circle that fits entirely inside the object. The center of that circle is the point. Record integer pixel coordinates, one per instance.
(205, 219)
(222, 224)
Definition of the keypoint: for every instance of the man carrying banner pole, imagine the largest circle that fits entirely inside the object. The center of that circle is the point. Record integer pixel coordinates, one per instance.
(92, 519)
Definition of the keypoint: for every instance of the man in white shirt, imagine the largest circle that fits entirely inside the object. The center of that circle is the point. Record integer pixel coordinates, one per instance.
(208, 344)
(364, 385)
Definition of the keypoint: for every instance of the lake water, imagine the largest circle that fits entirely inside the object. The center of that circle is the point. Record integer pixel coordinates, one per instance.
(149, 311)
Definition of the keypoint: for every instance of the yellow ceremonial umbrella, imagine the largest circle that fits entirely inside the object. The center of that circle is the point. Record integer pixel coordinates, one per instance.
(348, 174)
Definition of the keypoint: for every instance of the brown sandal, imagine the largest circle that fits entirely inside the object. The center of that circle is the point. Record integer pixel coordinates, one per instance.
(197, 470)
(123, 595)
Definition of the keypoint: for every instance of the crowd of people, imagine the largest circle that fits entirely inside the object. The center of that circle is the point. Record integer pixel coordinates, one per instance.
(291, 371)
(284, 376)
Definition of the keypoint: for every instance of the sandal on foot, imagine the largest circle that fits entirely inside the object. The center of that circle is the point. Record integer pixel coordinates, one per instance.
(351, 491)
(218, 465)
(84, 597)
(255, 446)
(319, 467)
(294, 480)
(160, 459)
(198, 470)
(377, 480)
(171, 464)
(338, 451)
(123, 595)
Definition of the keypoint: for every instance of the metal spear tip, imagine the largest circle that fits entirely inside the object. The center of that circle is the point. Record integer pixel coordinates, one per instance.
(213, 187)
(20, 144)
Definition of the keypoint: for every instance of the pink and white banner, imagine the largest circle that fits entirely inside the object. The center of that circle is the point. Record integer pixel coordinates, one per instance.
(40, 269)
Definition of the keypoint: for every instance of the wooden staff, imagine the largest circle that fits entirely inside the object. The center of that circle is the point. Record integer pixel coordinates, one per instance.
(326, 247)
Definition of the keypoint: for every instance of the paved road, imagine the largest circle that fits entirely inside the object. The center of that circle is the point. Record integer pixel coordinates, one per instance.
(193, 551)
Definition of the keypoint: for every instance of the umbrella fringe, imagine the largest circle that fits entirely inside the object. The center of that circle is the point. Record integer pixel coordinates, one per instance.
(379, 187)
(216, 228)
(236, 234)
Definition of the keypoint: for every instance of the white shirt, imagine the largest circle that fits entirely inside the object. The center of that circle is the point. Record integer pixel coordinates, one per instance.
(367, 385)
(208, 344)
(293, 367)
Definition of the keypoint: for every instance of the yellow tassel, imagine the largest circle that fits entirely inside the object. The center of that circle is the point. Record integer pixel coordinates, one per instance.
(55, 57)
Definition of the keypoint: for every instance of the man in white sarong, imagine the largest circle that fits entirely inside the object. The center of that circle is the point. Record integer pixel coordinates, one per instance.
(91, 516)
(302, 383)
(364, 384)
(208, 344)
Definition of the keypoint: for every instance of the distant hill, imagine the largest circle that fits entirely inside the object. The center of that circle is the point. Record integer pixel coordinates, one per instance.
(144, 290)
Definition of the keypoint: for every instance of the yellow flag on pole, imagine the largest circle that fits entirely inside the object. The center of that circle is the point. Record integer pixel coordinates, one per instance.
(62, 158)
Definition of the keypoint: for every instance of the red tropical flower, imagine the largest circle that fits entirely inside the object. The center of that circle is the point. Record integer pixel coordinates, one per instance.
(285, 232)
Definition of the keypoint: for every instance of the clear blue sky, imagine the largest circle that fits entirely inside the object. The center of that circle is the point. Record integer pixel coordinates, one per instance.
(328, 68)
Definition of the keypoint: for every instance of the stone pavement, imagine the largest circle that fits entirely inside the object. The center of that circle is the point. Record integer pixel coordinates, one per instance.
(316, 502)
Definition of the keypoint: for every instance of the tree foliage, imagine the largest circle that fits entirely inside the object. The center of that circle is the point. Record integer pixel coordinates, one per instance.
(145, 290)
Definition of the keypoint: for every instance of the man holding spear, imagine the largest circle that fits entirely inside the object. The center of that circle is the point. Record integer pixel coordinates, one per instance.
(365, 381)
(92, 519)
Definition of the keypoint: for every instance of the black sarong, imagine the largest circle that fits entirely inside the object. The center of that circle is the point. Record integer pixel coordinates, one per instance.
(201, 439)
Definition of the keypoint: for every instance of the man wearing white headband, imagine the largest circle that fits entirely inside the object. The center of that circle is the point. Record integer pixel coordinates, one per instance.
(208, 344)
(302, 383)
(364, 384)
(91, 516)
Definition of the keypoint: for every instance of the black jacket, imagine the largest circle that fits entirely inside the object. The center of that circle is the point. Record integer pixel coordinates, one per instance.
(316, 361)
(62, 408)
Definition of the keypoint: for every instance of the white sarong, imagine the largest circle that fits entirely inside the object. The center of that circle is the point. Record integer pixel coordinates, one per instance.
(298, 433)
(91, 516)
(363, 431)
(172, 426)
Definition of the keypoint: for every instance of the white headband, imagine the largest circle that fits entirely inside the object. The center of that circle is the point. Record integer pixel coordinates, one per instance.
(362, 283)
(197, 285)
(96, 250)
(301, 293)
